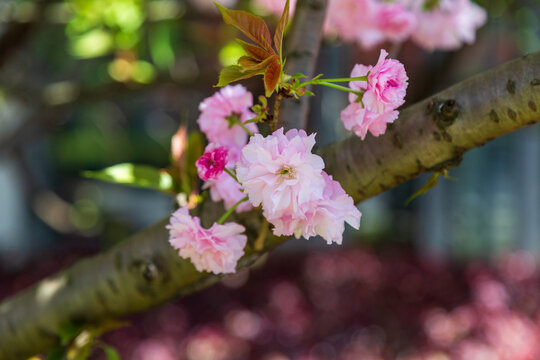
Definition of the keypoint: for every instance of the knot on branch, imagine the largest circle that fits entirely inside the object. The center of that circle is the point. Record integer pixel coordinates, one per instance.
(444, 112)
(149, 274)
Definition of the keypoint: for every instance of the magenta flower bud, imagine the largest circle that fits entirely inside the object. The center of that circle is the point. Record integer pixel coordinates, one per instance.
(211, 164)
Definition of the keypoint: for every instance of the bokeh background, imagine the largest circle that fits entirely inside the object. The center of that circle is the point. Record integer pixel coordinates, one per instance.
(86, 84)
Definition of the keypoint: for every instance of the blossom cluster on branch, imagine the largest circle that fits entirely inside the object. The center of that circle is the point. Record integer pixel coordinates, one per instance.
(432, 24)
(278, 173)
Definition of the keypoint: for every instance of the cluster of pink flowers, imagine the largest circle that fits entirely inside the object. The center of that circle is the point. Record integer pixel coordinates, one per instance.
(450, 24)
(217, 249)
(280, 173)
(218, 113)
(445, 25)
(383, 93)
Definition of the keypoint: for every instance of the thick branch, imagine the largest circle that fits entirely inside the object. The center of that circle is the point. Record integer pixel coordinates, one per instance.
(433, 134)
(301, 53)
(145, 271)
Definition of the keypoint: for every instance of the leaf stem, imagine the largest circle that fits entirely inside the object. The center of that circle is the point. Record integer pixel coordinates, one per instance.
(323, 81)
(342, 88)
(231, 174)
(243, 126)
(230, 211)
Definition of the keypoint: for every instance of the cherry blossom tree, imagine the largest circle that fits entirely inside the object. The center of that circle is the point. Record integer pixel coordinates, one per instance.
(264, 189)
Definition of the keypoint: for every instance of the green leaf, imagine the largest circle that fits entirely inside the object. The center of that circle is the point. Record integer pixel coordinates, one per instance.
(252, 26)
(68, 332)
(280, 29)
(144, 176)
(110, 352)
(432, 181)
(234, 73)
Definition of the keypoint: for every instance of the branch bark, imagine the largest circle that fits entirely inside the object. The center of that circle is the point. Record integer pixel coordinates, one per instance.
(433, 134)
(301, 53)
(145, 271)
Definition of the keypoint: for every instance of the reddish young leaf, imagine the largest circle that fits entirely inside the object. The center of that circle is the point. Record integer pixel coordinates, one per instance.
(280, 29)
(252, 26)
(233, 73)
(247, 62)
(271, 77)
(250, 64)
(253, 50)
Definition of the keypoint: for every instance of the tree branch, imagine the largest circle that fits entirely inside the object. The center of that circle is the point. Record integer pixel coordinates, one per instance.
(433, 134)
(145, 271)
(301, 53)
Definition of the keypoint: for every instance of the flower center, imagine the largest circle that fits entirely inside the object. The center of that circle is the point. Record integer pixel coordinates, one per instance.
(392, 83)
(287, 172)
(233, 119)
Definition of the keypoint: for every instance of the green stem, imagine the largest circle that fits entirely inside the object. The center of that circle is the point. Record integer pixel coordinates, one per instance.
(230, 211)
(342, 88)
(243, 126)
(235, 119)
(231, 174)
(322, 81)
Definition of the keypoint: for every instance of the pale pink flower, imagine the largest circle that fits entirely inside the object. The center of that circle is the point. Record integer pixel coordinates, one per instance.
(359, 120)
(325, 217)
(354, 20)
(280, 172)
(216, 250)
(383, 92)
(229, 101)
(211, 164)
(448, 25)
(275, 7)
(395, 21)
(369, 22)
(386, 85)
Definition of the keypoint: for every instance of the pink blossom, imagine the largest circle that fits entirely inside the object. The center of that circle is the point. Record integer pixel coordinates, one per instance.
(325, 217)
(211, 164)
(395, 21)
(386, 85)
(354, 20)
(359, 120)
(369, 22)
(275, 7)
(230, 101)
(383, 92)
(280, 172)
(448, 25)
(216, 250)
